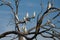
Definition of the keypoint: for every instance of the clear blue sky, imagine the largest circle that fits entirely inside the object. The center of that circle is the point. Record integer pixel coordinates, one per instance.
(29, 6)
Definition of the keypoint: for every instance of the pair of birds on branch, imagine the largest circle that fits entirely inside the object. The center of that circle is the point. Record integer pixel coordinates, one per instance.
(26, 18)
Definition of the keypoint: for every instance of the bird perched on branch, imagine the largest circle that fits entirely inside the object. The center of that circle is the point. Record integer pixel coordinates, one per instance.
(50, 4)
(24, 29)
(34, 14)
(27, 15)
(26, 18)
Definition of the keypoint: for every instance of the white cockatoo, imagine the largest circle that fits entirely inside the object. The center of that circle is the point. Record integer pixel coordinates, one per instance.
(49, 5)
(24, 18)
(24, 29)
(27, 15)
(34, 14)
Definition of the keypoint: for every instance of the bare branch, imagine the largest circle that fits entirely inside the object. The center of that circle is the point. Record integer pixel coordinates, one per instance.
(11, 32)
(46, 36)
(56, 15)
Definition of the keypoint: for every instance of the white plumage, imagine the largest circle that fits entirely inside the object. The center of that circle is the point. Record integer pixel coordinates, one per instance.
(24, 38)
(34, 14)
(27, 15)
(49, 5)
(24, 18)
(24, 29)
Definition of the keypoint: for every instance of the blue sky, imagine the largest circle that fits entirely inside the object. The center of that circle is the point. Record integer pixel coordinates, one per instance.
(24, 6)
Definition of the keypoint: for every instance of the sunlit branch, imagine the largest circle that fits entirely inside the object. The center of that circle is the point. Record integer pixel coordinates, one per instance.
(31, 29)
(39, 33)
(53, 34)
(51, 9)
(39, 22)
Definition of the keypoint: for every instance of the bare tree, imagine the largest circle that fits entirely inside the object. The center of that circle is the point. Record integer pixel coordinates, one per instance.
(48, 28)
